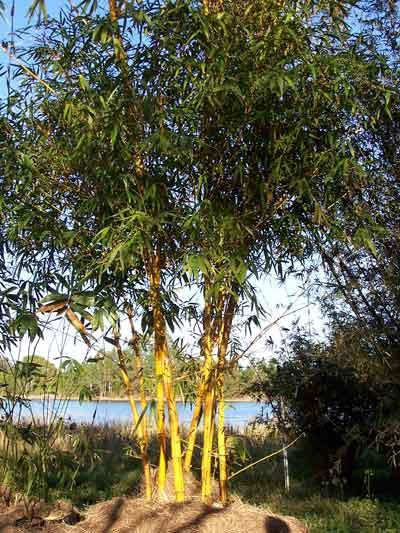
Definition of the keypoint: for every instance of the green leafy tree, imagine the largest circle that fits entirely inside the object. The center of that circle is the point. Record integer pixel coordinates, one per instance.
(189, 143)
(334, 393)
(43, 372)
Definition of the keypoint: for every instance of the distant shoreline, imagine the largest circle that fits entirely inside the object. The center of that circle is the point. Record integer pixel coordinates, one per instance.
(122, 399)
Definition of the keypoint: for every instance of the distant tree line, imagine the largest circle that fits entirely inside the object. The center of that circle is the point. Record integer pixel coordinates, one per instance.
(99, 377)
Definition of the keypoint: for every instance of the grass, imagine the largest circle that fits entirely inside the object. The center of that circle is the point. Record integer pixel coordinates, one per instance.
(84, 465)
(113, 470)
(330, 514)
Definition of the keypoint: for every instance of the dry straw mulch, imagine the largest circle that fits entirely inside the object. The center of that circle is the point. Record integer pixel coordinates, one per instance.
(136, 515)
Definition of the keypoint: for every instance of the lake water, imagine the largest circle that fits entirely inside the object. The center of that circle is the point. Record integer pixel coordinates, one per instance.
(237, 414)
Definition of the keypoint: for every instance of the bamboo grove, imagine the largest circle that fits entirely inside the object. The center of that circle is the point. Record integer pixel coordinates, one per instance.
(146, 146)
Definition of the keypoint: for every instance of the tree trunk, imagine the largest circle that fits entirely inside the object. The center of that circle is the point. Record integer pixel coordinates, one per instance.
(208, 438)
(159, 355)
(222, 350)
(164, 383)
(140, 428)
(198, 406)
(143, 402)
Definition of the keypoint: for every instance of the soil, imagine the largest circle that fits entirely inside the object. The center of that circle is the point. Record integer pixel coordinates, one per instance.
(136, 515)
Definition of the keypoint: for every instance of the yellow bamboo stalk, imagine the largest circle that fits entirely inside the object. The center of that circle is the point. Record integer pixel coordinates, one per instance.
(191, 440)
(210, 329)
(164, 377)
(159, 355)
(162, 437)
(206, 393)
(208, 429)
(206, 352)
(176, 448)
(223, 475)
(143, 402)
(208, 437)
(159, 349)
(222, 350)
(140, 427)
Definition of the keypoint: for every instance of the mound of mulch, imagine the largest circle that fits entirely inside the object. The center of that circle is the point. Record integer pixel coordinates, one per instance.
(123, 515)
(136, 515)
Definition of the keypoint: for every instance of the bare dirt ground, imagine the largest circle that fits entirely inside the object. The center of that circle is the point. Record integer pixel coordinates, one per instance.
(135, 515)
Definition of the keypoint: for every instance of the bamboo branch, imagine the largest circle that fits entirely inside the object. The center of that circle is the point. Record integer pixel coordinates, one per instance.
(265, 458)
(259, 336)
(30, 72)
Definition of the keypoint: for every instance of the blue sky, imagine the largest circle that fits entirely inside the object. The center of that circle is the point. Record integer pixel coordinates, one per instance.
(22, 6)
(20, 21)
(21, 10)
(274, 297)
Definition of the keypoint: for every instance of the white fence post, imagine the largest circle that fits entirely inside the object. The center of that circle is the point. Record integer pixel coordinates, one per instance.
(286, 470)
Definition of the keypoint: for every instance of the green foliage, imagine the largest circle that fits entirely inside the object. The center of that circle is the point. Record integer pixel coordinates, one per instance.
(319, 507)
(361, 300)
(85, 465)
(37, 7)
(32, 459)
(228, 143)
(336, 395)
(246, 194)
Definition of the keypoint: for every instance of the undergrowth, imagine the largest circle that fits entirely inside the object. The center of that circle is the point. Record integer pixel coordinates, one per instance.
(88, 464)
(324, 507)
(85, 465)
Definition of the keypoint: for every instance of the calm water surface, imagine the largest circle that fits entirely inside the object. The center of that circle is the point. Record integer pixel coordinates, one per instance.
(237, 414)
